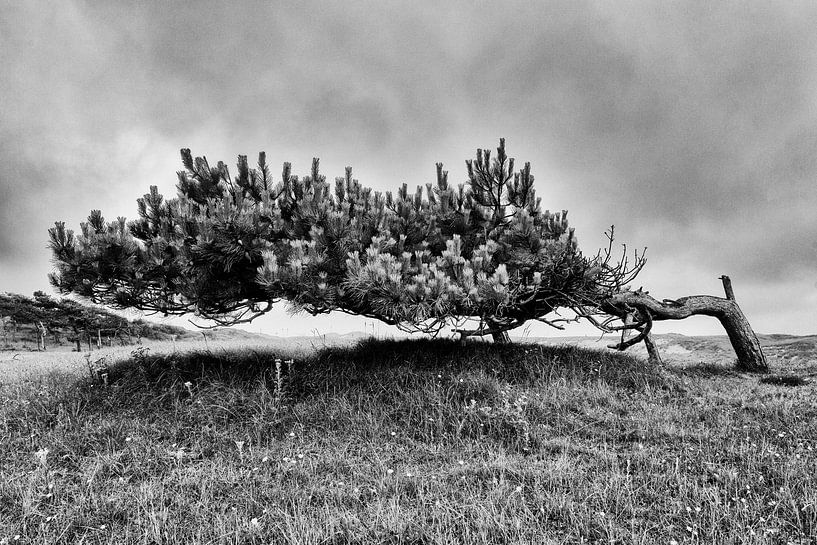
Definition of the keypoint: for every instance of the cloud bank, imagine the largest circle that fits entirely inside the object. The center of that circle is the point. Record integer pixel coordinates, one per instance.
(691, 126)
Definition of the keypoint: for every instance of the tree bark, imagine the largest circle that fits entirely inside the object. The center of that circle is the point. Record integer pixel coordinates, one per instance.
(652, 351)
(742, 337)
(500, 337)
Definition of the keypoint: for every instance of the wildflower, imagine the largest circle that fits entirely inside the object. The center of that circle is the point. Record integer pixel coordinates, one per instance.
(239, 445)
(102, 527)
(393, 434)
(300, 456)
(128, 439)
(462, 463)
(519, 489)
(265, 459)
(254, 522)
(292, 434)
(42, 456)
(389, 471)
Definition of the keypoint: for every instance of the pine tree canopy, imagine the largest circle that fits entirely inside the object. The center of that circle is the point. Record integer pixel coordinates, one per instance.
(228, 247)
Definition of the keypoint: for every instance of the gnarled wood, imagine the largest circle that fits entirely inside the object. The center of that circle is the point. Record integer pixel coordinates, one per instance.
(743, 338)
(652, 351)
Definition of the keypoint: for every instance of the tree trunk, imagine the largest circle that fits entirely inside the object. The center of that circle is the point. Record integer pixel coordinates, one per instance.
(500, 337)
(652, 351)
(41, 332)
(743, 338)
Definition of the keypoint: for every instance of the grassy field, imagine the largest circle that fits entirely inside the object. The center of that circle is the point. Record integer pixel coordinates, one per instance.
(416, 442)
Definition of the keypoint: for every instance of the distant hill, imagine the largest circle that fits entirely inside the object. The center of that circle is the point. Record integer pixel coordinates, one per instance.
(712, 349)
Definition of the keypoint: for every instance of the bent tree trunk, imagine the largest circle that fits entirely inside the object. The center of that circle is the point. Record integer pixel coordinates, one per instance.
(726, 310)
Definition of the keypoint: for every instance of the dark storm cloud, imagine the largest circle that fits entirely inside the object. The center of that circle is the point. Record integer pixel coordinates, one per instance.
(692, 126)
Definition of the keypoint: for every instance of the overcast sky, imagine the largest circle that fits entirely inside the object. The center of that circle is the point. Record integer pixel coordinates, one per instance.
(691, 126)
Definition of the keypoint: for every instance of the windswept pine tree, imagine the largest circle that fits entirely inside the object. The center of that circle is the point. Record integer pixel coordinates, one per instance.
(228, 248)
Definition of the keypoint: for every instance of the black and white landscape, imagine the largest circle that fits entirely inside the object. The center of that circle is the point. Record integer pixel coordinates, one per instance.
(421, 348)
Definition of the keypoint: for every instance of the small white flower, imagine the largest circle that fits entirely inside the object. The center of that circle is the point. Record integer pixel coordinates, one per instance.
(292, 434)
(389, 471)
(42, 456)
(254, 522)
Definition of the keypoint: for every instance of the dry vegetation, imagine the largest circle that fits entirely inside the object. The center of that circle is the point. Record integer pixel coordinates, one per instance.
(407, 442)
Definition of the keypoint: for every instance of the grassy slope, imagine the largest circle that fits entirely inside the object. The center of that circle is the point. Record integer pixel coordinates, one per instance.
(408, 442)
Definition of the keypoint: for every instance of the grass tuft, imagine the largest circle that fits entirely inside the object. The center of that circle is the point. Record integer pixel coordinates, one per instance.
(784, 380)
